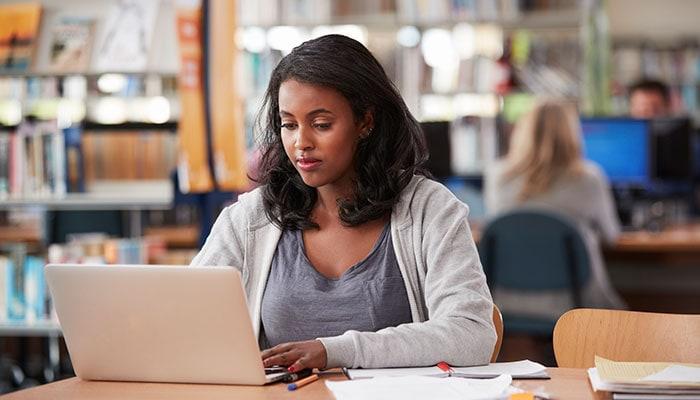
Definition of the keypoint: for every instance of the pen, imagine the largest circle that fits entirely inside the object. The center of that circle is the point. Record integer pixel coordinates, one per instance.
(445, 367)
(303, 382)
(297, 375)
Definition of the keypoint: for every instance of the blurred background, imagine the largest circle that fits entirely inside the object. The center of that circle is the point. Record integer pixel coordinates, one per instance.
(126, 126)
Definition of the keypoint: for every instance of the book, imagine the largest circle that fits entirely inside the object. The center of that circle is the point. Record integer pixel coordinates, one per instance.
(14, 288)
(34, 289)
(4, 165)
(127, 36)
(524, 369)
(19, 27)
(640, 380)
(71, 43)
(4, 265)
(74, 172)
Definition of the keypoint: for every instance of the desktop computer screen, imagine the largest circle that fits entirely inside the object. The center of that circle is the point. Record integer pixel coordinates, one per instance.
(620, 147)
(672, 140)
(437, 139)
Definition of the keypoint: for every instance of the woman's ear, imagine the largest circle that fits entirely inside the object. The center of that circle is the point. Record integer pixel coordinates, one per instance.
(367, 124)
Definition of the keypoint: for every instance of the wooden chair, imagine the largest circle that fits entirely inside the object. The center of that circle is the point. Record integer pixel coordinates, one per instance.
(581, 334)
(498, 323)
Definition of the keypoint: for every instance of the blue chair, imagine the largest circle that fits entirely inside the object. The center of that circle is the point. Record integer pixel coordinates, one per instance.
(534, 250)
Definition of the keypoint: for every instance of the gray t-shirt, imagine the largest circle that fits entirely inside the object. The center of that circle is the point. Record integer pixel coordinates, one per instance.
(301, 304)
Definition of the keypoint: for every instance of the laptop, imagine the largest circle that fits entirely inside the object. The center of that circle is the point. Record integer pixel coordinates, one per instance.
(157, 323)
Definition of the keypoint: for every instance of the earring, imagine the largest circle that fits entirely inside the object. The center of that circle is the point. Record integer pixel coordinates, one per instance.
(367, 133)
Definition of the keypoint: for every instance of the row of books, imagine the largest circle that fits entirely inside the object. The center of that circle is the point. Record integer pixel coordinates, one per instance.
(140, 155)
(23, 291)
(290, 12)
(38, 160)
(34, 160)
(427, 11)
(123, 44)
(98, 248)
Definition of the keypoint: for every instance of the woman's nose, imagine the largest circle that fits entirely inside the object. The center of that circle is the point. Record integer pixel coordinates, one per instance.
(303, 140)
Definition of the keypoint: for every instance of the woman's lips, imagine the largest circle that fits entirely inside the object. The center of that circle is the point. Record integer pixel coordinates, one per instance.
(308, 164)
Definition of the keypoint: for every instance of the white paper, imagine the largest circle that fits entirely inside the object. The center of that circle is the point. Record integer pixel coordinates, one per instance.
(676, 373)
(420, 387)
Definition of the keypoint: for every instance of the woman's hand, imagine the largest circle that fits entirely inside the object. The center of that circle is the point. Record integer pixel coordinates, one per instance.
(296, 355)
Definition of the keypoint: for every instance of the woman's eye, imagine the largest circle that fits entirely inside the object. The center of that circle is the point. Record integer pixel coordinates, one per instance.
(288, 125)
(322, 126)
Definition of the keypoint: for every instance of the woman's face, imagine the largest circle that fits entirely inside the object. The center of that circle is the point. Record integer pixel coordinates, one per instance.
(319, 133)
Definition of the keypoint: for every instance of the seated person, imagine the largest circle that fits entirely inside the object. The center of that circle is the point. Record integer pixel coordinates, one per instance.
(545, 169)
(350, 255)
(649, 99)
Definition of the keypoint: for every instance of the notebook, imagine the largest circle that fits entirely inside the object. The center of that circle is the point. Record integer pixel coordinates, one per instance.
(524, 369)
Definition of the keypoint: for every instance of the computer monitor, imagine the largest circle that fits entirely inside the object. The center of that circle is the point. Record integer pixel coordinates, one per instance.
(437, 139)
(672, 140)
(621, 147)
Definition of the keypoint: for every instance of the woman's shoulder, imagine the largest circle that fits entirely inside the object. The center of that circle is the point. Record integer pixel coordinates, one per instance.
(424, 195)
(249, 207)
(592, 172)
(424, 188)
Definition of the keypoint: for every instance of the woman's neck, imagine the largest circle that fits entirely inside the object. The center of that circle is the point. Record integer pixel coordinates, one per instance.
(326, 208)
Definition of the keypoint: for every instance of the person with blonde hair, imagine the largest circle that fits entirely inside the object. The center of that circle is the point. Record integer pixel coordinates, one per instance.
(545, 169)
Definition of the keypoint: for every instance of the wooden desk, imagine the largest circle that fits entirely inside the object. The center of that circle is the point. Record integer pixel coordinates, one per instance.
(566, 383)
(676, 239)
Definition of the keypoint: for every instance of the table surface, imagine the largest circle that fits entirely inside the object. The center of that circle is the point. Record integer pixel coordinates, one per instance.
(681, 238)
(566, 383)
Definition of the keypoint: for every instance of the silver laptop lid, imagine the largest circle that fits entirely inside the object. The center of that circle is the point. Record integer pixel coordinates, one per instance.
(156, 323)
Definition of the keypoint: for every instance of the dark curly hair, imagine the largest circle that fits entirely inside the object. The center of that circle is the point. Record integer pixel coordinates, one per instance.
(386, 160)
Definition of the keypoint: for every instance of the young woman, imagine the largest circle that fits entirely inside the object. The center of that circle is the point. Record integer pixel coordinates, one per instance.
(545, 168)
(349, 255)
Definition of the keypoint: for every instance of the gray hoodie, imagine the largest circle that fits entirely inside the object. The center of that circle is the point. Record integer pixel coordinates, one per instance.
(450, 303)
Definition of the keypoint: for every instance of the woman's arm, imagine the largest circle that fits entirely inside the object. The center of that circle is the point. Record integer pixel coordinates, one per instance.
(459, 329)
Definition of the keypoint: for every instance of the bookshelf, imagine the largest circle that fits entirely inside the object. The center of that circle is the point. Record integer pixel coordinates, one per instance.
(40, 328)
(125, 115)
(560, 19)
(502, 48)
(106, 195)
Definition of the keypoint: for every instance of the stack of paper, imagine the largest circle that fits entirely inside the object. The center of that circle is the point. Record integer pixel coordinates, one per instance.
(525, 369)
(646, 380)
(421, 387)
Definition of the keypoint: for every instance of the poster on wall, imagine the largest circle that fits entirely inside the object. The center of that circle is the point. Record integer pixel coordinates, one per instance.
(126, 38)
(19, 28)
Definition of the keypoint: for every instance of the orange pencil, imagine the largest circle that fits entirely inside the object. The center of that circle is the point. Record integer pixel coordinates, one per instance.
(296, 385)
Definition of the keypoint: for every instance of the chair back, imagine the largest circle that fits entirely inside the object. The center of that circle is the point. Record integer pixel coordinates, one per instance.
(617, 335)
(534, 250)
(498, 324)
